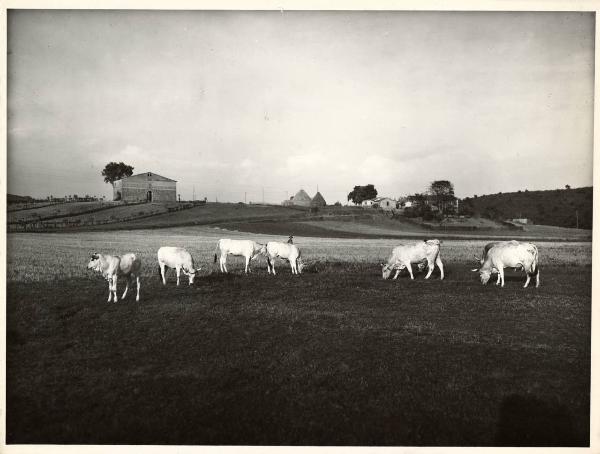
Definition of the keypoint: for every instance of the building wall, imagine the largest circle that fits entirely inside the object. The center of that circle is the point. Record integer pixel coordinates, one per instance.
(387, 204)
(136, 191)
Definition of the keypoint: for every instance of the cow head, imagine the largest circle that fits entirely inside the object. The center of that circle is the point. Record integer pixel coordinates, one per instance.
(263, 249)
(291, 239)
(386, 270)
(484, 275)
(94, 263)
(192, 274)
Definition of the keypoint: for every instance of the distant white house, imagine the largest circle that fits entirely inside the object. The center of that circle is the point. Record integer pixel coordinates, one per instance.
(520, 221)
(385, 203)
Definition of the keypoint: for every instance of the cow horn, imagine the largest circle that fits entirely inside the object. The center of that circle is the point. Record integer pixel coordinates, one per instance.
(475, 269)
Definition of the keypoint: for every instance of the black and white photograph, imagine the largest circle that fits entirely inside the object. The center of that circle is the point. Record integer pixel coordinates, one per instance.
(289, 227)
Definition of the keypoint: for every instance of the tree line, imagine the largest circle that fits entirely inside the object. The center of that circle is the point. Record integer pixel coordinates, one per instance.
(439, 194)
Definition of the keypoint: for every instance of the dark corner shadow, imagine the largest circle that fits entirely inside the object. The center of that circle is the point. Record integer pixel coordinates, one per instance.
(529, 421)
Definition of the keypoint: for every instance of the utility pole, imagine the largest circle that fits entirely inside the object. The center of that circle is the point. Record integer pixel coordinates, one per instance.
(193, 192)
(245, 197)
(263, 191)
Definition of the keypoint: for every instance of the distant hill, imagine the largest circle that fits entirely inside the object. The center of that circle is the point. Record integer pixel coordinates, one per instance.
(12, 198)
(555, 207)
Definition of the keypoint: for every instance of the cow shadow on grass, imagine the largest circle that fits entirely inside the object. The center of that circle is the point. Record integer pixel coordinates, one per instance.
(529, 421)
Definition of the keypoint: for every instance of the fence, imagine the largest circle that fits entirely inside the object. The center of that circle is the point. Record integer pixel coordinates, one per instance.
(49, 224)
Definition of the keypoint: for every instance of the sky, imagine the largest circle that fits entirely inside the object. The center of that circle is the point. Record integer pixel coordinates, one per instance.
(237, 104)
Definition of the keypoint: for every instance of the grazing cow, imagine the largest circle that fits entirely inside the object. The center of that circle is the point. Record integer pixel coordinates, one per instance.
(286, 251)
(113, 266)
(246, 248)
(511, 254)
(486, 248)
(403, 256)
(178, 258)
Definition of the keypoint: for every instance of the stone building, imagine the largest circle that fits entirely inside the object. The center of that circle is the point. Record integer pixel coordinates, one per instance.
(147, 186)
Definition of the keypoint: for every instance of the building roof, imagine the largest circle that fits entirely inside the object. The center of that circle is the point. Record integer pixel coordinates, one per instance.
(318, 200)
(302, 196)
(149, 176)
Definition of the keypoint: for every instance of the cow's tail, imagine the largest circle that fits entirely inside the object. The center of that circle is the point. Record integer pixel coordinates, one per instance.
(534, 268)
(216, 248)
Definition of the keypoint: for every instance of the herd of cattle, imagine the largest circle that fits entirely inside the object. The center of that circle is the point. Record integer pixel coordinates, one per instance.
(495, 258)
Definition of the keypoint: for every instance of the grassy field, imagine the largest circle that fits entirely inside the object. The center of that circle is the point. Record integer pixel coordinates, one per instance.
(387, 228)
(336, 356)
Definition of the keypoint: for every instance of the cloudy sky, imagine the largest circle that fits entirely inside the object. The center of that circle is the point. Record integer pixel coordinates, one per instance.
(229, 103)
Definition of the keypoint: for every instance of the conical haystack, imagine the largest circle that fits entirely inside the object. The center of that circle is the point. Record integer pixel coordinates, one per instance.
(318, 200)
(302, 198)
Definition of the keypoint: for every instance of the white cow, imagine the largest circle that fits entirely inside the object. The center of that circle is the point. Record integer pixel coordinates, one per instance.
(246, 248)
(486, 249)
(403, 256)
(113, 266)
(286, 251)
(511, 254)
(179, 259)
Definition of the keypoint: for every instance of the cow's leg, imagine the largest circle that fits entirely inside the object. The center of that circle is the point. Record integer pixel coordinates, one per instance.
(537, 278)
(162, 273)
(109, 290)
(501, 274)
(397, 273)
(440, 265)
(409, 268)
(273, 265)
(430, 267)
(178, 270)
(292, 266)
(115, 288)
(498, 279)
(137, 297)
(527, 280)
(126, 287)
(223, 263)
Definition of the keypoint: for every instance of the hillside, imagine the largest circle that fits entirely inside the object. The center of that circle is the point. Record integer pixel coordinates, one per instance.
(12, 198)
(559, 207)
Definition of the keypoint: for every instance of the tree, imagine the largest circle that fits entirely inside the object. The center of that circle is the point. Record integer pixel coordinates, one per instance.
(115, 171)
(567, 186)
(442, 192)
(361, 193)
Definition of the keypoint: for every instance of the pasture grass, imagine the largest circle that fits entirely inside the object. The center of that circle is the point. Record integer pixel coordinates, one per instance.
(336, 356)
(55, 256)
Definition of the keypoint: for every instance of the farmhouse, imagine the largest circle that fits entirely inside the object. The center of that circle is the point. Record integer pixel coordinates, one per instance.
(385, 203)
(145, 186)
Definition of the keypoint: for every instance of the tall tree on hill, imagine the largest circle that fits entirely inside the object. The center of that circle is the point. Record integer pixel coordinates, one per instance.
(114, 171)
(442, 192)
(361, 193)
